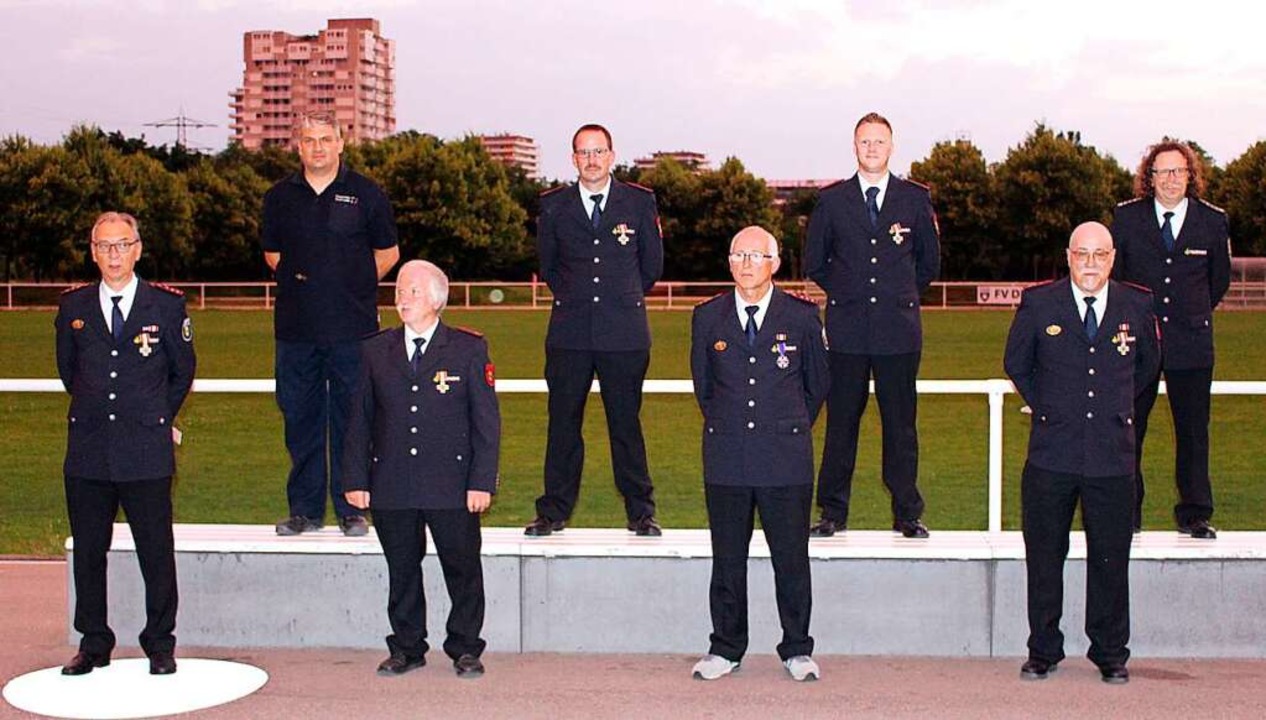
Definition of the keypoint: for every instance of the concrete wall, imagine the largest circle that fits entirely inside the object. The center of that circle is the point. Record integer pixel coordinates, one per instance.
(600, 591)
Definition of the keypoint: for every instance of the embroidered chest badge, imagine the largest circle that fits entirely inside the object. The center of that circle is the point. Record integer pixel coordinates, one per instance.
(442, 381)
(898, 233)
(1054, 330)
(1123, 338)
(622, 233)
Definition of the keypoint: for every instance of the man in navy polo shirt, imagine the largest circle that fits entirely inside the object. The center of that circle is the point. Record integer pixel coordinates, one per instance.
(329, 235)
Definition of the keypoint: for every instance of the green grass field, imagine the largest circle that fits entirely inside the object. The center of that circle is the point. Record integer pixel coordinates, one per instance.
(232, 466)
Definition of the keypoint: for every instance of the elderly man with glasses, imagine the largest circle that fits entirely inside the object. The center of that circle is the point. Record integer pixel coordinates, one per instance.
(758, 360)
(125, 354)
(600, 253)
(1080, 351)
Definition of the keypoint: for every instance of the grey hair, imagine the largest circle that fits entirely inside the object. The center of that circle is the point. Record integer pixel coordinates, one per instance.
(437, 284)
(112, 216)
(771, 246)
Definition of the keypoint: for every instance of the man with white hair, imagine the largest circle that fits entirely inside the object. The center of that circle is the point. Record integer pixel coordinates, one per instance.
(421, 452)
(759, 364)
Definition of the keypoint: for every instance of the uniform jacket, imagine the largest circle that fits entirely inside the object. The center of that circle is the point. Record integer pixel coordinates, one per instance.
(1186, 283)
(422, 442)
(758, 414)
(873, 277)
(123, 398)
(1082, 393)
(600, 278)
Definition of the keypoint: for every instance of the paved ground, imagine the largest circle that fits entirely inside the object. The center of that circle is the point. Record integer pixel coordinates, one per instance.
(341, 683)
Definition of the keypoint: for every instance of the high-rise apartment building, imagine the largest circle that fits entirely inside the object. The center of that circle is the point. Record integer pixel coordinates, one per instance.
(692, 160)
(347, 68)
(515, 151)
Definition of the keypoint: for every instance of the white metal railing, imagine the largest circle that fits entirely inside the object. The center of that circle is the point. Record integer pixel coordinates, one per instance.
(995, 389)
(666, 295)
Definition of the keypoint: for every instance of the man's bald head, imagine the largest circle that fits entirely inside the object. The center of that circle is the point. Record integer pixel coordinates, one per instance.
(1090, 256)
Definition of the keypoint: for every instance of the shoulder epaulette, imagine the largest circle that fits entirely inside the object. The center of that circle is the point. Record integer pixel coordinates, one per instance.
(468, 331)
(800, 297)
(714, 298)
(551, 191)
(837, 183)
(1044, 283)
(383, 331)
(1131, 201)
(167, 288)
(918, 184)
(1210, 205)
(643, 188)
(1136, 286)
(77, 286)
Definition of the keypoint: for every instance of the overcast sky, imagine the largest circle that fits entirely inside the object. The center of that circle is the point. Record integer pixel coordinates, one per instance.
(777, 83)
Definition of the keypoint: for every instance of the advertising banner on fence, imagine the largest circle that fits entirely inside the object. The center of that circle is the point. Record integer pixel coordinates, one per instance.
(998, 294)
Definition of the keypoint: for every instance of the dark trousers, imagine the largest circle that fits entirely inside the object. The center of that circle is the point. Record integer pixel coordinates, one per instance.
(314, 386)
(1049, 500)
(898, 407)
(1189, 395)
(569, 373)
(93, 506)
(784, 516)
(402, 534)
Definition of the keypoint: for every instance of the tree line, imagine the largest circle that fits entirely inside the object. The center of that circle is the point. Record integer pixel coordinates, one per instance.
(473, 216)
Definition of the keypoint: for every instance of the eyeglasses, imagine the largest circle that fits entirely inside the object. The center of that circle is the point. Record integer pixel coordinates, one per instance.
(754, 258)
(593, 153)
(1170, 173)
(410, 293)
(113, 248)
(1100, 256)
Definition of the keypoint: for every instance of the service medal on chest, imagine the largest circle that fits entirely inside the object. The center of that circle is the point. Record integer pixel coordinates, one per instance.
(622, 233)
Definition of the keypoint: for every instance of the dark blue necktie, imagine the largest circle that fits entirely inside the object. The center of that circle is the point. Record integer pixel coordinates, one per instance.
(872, 205)
(596, 216)
(416, 363)
(1167, 233)
(1092, 320)
(116, 319)
(750, 329)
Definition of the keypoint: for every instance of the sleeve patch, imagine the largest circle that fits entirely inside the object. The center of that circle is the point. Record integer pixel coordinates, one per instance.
(186, 330)
(490, 375)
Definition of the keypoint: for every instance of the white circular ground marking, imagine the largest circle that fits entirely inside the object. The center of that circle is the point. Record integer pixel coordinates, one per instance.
(496, 295)
(125, 689)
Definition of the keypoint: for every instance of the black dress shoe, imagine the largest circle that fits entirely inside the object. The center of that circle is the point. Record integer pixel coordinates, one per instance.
(646, 527)
(1199, 529)
(161, 663)
(827, 527)
(468, 666)
(399, 664)
(1034, 669)
(353, 526)
(540, 527)
(1115, 674)
(85, 662)
(911, 528)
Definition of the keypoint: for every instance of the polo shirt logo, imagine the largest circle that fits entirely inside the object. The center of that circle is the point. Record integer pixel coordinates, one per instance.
(349, 199)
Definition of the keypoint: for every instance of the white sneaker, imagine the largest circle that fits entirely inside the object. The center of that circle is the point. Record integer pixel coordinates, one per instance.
(802, 668)
(712, 667)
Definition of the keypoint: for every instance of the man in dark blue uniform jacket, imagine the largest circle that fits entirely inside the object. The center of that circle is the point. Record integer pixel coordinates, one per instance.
(422, 446)
(758, 359)
(1079, 352)
(873, 247)
(125, 355)
(329, 234)
(1178, 246)
(600, 253)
